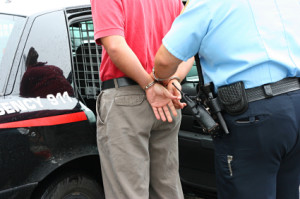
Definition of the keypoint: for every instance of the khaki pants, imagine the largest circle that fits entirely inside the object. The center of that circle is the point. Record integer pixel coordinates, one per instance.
(139, 154)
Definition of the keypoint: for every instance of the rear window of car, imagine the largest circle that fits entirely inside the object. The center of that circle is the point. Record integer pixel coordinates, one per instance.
(86, 59)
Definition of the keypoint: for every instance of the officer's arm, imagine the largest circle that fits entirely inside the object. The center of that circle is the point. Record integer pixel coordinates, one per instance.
(181, 72)
(165, 63)
(184, 68)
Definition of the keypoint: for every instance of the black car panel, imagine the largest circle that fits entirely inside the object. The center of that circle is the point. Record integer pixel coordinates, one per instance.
(44, 128)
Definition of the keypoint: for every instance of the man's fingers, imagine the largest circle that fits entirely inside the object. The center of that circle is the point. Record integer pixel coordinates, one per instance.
(172, 108)
(167, 113)
(156, 113)
(169, 95)
(178, 94)
(162, 114)
(178, 104)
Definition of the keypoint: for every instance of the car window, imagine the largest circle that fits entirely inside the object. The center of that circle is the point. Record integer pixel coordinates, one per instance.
(6, 25)
(45, 67)
(10, 32)
(86, 59)
(192, 76)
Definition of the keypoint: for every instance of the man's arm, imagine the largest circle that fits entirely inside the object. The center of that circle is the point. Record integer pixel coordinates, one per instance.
(125, 59)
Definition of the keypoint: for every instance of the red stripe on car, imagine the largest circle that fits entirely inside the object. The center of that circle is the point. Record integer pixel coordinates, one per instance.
(47, 121)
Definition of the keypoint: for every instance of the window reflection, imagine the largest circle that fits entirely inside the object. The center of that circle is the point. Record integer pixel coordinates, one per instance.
(41, 79)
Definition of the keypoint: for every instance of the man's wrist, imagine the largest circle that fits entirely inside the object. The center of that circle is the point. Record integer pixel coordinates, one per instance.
(150, 85)
(175, 77)
(165, 83)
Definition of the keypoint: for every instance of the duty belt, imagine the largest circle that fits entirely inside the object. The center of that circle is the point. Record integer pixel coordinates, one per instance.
(234, 98)
(270, 90)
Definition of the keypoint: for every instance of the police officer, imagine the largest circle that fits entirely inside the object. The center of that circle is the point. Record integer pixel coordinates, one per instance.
(250, 50)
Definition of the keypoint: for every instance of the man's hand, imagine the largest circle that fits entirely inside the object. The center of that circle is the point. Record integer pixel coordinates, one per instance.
(161, 100)
(171, 88)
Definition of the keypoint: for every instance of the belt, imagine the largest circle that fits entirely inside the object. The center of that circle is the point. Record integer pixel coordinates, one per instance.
(118, 82)
(269, 90)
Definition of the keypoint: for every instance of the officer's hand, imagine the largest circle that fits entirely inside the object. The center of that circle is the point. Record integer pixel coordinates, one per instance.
(171, 88)
(160, 100)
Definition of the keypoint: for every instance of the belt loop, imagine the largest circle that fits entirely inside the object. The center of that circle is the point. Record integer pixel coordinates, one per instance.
(116, 83)
(268, 90)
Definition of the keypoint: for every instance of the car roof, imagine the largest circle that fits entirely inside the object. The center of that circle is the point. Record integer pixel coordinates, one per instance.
(30, 7)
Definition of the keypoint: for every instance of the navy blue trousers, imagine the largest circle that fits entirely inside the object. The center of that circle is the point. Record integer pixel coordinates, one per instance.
(260, 158)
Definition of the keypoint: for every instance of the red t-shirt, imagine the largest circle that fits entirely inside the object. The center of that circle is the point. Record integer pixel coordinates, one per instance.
(143, 23)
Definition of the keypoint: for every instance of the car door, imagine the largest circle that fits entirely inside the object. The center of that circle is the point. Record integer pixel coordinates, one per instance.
(196, 150)
(43, 125)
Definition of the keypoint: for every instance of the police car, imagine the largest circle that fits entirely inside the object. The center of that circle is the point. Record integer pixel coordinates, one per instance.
(48, 87)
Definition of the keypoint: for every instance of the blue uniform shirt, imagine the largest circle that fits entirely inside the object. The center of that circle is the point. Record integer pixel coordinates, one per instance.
(255, 41)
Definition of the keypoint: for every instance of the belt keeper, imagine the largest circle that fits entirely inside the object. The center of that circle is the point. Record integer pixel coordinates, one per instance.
(268, 90)
(116, 83)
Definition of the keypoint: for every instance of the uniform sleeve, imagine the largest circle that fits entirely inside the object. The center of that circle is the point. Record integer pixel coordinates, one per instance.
(188, 30)
(108, 18)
